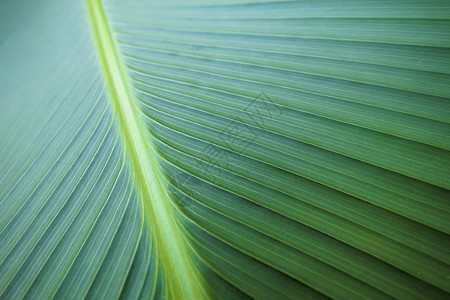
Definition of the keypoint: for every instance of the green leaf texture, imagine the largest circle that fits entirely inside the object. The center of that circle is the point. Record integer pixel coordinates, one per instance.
(224, 149)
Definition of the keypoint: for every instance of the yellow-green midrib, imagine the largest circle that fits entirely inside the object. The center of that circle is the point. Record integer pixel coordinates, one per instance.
(176, 261)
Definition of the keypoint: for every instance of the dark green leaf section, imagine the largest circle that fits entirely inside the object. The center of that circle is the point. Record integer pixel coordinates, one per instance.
(306, 139)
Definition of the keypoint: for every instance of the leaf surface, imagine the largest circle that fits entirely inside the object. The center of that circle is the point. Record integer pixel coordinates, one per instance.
(257, 149)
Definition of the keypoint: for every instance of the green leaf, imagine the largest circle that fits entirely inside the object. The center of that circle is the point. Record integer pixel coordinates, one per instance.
(229, 149)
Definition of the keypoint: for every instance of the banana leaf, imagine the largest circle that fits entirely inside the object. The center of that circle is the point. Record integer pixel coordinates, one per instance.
(224, 149)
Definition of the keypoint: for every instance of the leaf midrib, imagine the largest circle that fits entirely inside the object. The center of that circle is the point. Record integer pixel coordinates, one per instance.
(175, 257)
